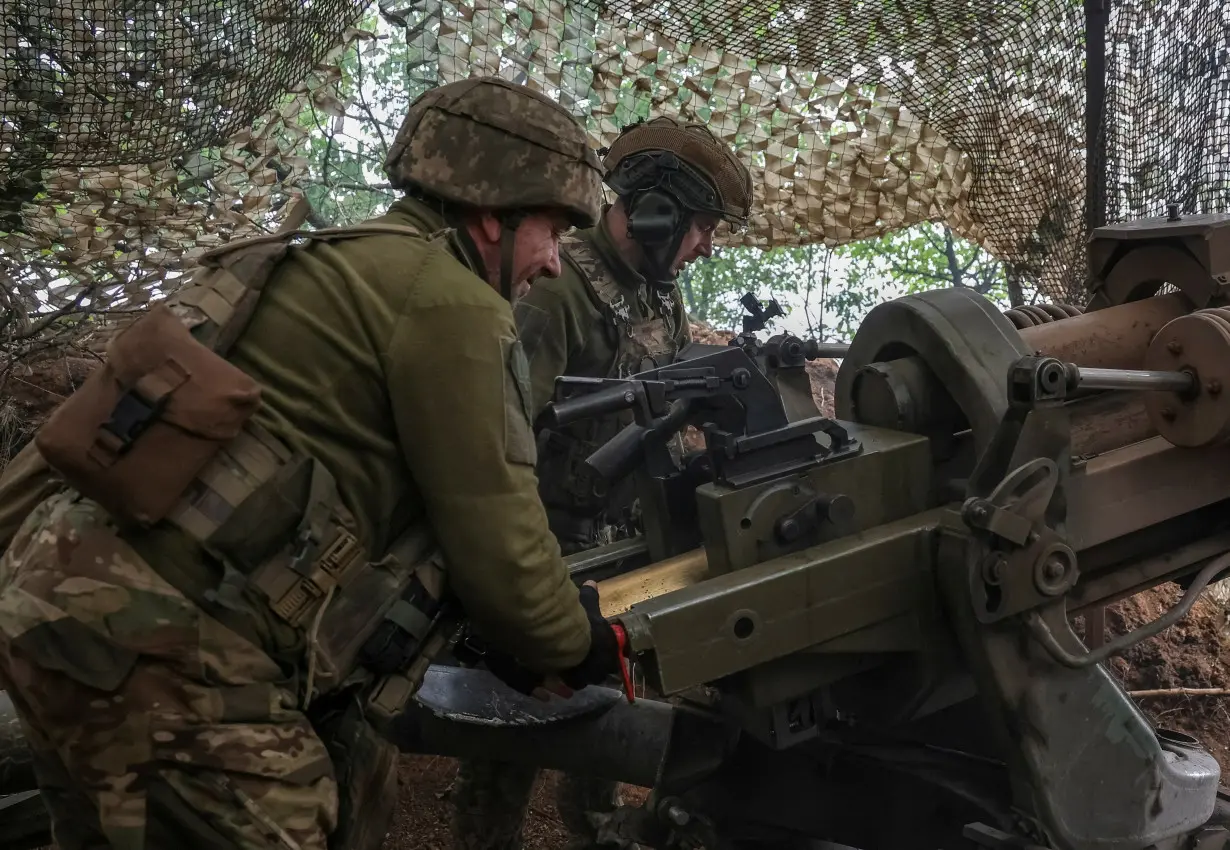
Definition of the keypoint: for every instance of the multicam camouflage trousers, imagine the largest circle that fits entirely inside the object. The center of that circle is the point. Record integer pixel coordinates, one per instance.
(490, 801)
(153, 725)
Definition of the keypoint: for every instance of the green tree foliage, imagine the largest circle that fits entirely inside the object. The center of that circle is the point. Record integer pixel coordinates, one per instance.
(835, 287)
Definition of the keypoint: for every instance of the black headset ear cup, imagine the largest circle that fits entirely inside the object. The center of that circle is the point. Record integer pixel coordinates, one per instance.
(654, 217)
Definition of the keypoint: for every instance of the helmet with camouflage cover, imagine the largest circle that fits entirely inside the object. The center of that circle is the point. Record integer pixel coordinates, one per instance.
(727, 190)
(488, 143)
(665, 173)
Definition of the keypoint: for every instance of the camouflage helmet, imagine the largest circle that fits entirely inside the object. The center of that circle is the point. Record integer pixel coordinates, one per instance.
(485, 142)
(697, 147)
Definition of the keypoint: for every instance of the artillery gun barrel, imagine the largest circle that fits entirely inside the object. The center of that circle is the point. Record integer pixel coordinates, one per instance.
(1111, 338)
(814, 350)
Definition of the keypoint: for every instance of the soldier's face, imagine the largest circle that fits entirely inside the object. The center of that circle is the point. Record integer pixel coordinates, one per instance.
(536, 250)
(697, 242)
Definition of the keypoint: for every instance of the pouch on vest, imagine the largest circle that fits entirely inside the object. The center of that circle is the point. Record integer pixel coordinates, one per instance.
(145, 423)
(166, 401)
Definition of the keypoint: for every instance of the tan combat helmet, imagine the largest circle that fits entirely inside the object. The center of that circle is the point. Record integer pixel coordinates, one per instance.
(665, 174)
(485, 142)
(729, 183)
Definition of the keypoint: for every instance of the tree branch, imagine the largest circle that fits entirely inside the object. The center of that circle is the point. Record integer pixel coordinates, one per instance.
(950, 252)
(384, 144)
(1177, 692)
(926, 275)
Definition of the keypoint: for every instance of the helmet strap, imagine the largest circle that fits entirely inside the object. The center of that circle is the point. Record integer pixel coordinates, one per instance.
(510, 221)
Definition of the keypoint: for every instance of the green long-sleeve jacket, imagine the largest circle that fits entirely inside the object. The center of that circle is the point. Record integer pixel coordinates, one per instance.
(391, 362)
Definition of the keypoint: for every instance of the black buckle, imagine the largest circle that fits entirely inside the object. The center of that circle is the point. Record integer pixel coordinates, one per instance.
(305, 548)
(130, 417)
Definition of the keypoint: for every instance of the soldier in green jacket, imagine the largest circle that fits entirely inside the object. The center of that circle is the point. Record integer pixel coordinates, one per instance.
(614, 311)
(201, 676)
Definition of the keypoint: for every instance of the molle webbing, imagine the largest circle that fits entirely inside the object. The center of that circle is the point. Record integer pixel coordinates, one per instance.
(567, 485)
(639, 341)
(274, 515)
(218, 302)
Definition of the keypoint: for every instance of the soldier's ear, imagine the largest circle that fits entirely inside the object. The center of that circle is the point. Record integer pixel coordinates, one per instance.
(489, 228)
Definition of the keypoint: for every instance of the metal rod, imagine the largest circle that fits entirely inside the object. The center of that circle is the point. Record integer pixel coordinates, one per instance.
(581, 564)
(1136, 379)
(831, 350)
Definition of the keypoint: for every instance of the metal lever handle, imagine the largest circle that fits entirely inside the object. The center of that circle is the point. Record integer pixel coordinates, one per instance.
(625, 669)
(1042, 631)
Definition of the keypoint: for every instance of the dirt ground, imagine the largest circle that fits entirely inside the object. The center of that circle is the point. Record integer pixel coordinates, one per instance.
(1194, 653)
(423, 818)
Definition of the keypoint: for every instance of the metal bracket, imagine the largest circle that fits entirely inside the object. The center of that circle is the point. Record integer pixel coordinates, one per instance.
(1016, 509)
(1043, 634)
(1026, 563)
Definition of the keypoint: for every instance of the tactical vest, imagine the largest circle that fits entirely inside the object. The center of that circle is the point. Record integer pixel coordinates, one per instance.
(162, 432)
(567, 486)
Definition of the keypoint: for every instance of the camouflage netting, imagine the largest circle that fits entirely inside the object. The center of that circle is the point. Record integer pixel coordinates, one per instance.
(1168, 107)
(858, 118)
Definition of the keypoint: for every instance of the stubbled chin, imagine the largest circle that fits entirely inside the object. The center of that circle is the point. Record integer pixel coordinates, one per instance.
(683, 264)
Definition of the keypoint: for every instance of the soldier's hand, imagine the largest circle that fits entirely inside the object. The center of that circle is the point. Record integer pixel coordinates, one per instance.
(509, 671)
(523, 680)
(602, 661)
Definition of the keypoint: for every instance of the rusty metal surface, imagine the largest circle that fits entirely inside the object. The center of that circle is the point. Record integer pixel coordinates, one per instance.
(1108, 421)
(1198, 343)
(1141, 485)
(1030, 315)
(1113, 338)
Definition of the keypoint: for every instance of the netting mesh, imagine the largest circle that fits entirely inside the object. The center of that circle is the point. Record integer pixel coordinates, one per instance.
(856, 117)
(135, 81)
(1168, 107)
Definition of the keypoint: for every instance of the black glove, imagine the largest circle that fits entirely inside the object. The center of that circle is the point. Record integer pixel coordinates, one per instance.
(509, 671)
(602, 661)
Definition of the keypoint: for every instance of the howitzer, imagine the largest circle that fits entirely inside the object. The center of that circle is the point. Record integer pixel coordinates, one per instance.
(864, 624)
(870, 641)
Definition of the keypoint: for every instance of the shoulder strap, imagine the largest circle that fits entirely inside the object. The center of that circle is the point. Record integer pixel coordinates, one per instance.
(221, 294)
(328, 234)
